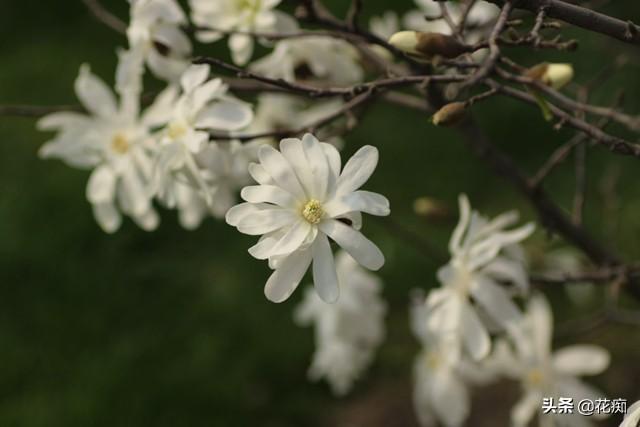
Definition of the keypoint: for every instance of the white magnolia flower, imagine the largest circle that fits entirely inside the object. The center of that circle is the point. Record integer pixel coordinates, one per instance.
(440, 392)
(112, 140)
(303, 199)
(348, 332)
(155, 29)
(481, 14)
(276, 111)
(217, 17)
(202, 106)
(323, 59)
(543, 374)
(483, 255)
(632, 419)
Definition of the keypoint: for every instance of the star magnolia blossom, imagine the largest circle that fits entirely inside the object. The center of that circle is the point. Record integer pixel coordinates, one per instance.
(483, 255)
(312, 58)
(302, 200)
(439, 390)
(348, 332)
(632, 419)
(543, 374)
(113, 141)
(204, 105)
(241, 17)
(155, 29)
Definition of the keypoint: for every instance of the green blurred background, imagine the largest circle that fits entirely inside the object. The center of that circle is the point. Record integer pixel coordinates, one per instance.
(171, 328)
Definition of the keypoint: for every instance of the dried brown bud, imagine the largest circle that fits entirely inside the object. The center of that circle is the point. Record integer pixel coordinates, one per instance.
(450, 115)
(428, 45)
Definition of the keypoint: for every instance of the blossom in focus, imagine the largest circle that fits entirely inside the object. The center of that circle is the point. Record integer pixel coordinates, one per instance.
(439, 390)
(484, 257)
(215, 18)
(304, 198)
(348, 332)
(112, 140)
(155, 29)
(320, 59)
(186, 118)
(546, 374)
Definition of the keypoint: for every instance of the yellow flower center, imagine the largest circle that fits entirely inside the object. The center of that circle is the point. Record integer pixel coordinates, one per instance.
(177, 129)
(312, 211)
(120, 144)
(535, 377)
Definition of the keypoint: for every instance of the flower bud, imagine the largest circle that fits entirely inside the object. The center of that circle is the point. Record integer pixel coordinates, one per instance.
(430, 209)
(450, 115)
(428, 45)
(555, 75)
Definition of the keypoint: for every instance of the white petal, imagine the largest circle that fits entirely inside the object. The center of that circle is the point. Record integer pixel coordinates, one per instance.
(497, 303)
(101, 187)
(292, 239)
(268, 194)
(450, 400)
(280, 170)
(262, 249)
(465, 213)
(148, 221)
(107, 216)
(293, 151)
(287, 276)
(325, 277)
(225, 115)
(359, 201)
(358, 169)
(475, 335)
(266, 221)
(633, 416)
(241, 46)
(359, 247)
(259, 174)
(239, 212)
(194, 77)
(318, 164)
(580, 360)
(94, 94)
(525, 409)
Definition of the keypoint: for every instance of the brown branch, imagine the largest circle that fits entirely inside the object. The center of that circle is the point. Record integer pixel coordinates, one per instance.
(625, 31)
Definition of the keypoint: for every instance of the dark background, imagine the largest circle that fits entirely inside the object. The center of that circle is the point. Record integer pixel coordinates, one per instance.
(171, 328)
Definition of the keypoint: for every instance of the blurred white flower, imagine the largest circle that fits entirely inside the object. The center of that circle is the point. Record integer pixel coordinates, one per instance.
(218, 17)
(112, 140)
(203, 105)
(302, 200)
(276, 111)
(322, 59)
(439, 391)
(543, 374)
(384, 26)
(483, 256)
(632, 419)
(155, 29)
(481, 14)
(347, 333)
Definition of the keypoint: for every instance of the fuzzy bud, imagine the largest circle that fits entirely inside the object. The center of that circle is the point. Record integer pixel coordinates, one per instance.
(428, 45)
(450, 115)
(555, 75)
(430, 209)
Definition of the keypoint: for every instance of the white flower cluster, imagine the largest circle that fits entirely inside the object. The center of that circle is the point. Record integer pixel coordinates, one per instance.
(348, 332)
(455, 322)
